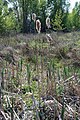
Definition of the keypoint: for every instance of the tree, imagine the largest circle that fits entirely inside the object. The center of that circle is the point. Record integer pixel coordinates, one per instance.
(9, 17)
(59, 5)
(19, 16)
(69, 22)
(1, 17)
(28, 7)
(57, 23)
(43, 14)
(76, 16)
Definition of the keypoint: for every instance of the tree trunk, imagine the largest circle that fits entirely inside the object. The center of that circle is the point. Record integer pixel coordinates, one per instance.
(24, 23)
(24, 7)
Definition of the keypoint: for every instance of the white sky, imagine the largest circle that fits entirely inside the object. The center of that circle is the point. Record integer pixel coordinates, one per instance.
(72, 2)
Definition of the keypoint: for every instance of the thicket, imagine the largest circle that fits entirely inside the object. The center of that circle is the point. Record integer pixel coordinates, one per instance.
(15, 15)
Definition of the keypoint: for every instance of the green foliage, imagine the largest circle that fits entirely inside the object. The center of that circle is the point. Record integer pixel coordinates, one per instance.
(28, 76)
(10, 22)
(7, 18)
(61, 6)
(19, 16)
(69, 22)
(59, 90)
(1, 24)
(57, 23)
(63, 110)
(42, 14)
(73, 20)
(76, 16)
(1, 18)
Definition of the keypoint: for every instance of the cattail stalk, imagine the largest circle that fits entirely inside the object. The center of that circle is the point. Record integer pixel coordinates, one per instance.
(28, 76)
(17, 70)
(2, 76)
(21, 64)
(12, 71)
(42, 69)
(12, 115)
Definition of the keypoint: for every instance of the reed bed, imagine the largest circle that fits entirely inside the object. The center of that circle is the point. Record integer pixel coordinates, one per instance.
(42, 84)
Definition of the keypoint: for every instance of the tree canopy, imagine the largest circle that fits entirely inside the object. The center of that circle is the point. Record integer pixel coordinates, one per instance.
(18, 17)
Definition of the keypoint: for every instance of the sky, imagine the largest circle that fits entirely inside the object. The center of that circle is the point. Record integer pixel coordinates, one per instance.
(72, 2)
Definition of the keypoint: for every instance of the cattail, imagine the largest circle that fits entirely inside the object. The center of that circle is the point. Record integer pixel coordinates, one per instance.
(48, 22)
(34, 17)
(38, 26)
(12, 71)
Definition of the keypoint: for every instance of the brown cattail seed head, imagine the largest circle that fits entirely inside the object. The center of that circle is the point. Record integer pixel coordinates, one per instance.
(34, 17)
(48, 22)
(38, 26)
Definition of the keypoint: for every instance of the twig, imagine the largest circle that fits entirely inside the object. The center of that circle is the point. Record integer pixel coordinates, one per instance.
(3, 114)
(13, 109)
(67, 108)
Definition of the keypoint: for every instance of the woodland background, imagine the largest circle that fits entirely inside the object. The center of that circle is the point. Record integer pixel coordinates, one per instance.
(16, 15)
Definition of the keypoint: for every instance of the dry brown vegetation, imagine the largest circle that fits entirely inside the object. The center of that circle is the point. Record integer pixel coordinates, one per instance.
(40, 77)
